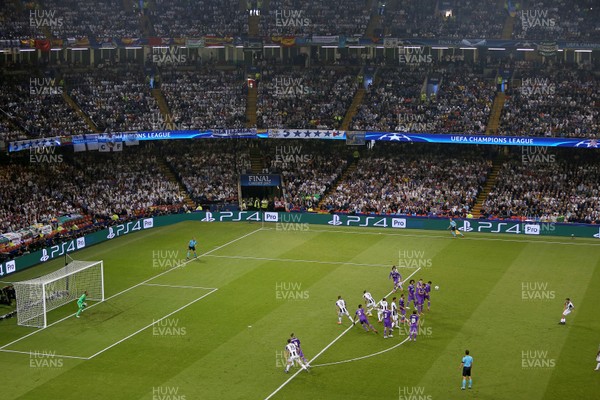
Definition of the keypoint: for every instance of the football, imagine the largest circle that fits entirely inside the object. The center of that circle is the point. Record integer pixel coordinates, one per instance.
(437, 288)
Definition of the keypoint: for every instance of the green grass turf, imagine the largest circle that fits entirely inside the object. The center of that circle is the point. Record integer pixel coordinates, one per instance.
(229, 344)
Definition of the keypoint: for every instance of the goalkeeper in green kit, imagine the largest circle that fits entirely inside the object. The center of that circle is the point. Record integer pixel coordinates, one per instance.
(81, 303)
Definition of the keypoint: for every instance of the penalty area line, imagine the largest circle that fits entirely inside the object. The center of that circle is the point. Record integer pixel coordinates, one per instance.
(149, 325)
(363, 357)
(133, 287)
(328, 346)
(43, 355)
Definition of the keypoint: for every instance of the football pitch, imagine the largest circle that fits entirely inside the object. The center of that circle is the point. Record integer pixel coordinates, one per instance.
(215, 327)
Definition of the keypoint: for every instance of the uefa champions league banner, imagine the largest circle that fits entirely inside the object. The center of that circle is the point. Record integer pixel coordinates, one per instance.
(282, 221)
(80, 141)
(481, 139)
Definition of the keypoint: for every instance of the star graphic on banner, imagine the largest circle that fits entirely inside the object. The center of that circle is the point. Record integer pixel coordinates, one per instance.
(307, 134)
(297, 133)
(327, 133)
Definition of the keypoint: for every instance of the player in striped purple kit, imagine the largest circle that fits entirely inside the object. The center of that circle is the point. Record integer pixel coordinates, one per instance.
(396, 277)
(387, 324)
(411, 294)
(296, 342)
(414, 326)
(420, 298)
(402, 308)
(427, 295)
(362, 318)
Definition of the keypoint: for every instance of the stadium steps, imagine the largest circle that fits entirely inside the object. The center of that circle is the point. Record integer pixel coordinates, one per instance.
(343, 176)
(494, 121)
(171, 176)
(256, 160)
(353, 109)
(507, 30)
(374, 21)
(69, 100)
(487, 187)
(163, 107)
(251, 101)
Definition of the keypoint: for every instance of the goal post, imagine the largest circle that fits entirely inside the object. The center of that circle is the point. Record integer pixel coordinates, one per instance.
(37, 297)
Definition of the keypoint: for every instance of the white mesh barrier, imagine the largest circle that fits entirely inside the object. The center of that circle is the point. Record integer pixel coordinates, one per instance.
(36, 297)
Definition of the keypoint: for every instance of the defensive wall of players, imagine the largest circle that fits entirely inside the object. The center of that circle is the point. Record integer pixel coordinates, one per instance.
(301, 221)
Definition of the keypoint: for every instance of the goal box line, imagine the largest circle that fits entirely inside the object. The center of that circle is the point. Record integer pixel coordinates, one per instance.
(154, 322)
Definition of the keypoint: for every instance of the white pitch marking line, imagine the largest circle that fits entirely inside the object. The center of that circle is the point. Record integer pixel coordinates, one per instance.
(542, 241)
(179, 286)
(149, 325)
(363, 357)
(30, 353)
(302, 261)
(322, 351)
(132, 287)
(314, 358)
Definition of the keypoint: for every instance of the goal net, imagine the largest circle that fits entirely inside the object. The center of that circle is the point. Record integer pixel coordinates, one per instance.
(36, 297)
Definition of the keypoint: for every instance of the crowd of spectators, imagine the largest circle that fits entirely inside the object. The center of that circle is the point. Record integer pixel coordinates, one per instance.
(468, 19)
(399, 180)
(206, 99)
(458, 19)
(209, 170)
(547, 188)
(114, 99)
(35, 105)
(40, 189)
(553, 102)
(305, 98)
(557, 19)
(330, 18)
(308, 169)
(402, 99)
(182, 18)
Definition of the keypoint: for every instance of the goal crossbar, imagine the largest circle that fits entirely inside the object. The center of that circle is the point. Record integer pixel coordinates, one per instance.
(36, 297)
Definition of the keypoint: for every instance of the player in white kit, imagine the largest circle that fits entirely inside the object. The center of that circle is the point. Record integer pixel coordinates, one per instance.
(381, 307)
(291, 352)
(341, 310)
(369, 302)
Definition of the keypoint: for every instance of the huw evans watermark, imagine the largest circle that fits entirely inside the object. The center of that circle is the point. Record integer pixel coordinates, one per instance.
(291, 19)
(161, 122)
(536, 359)
(45, 18)
(537, 86)
(168, 327)
(167, 393)
(414, 123)
(168, 55)
(537, 155)
(414, 55)
(413, 393)
(413, 259)
(44, 86)
(290, 291)
(167, 259)
(291, 155)
(38, 155)
(536, 19)
(45, 359)
(536, 291)
(290, 87)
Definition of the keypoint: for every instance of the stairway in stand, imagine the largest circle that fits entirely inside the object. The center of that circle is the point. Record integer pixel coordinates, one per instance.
(487, 187)
(69, 100)
(353, 109)
(163, 107)
(495, 114)
(251, 107)
(350, 168)
(256, 160)
(170, 175)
